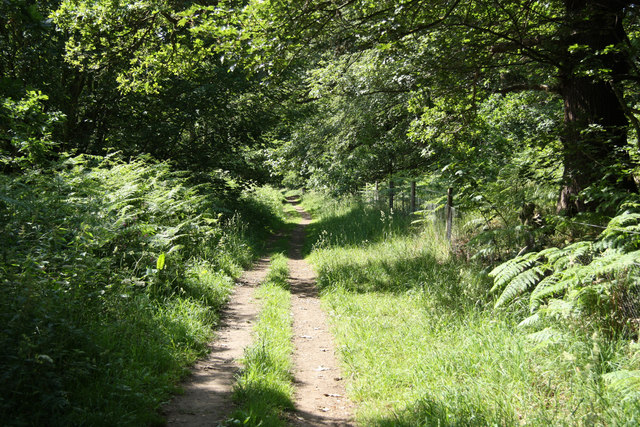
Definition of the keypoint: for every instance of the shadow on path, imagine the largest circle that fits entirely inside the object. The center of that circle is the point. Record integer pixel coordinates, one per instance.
(207, 398)
(320, 394)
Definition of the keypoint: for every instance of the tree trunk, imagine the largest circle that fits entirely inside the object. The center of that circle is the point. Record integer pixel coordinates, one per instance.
(74, 81)
(593, 141)
(595, 131)
(391, 191)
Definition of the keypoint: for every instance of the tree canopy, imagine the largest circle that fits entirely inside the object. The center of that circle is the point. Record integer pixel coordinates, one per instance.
(451, 56)
(334, 94)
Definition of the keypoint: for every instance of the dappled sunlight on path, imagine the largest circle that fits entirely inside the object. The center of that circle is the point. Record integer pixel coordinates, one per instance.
(207, 392)
(320, 395)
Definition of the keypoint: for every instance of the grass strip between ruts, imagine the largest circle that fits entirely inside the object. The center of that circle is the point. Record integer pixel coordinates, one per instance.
(264, 388)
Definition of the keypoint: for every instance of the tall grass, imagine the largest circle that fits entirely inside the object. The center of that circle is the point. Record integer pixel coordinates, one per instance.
(264, 388)
(422, 345)
(348, 222)
(112, 275)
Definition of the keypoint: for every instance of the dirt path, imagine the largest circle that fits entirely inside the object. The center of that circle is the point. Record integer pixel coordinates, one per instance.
(320, 395)
(207, 397)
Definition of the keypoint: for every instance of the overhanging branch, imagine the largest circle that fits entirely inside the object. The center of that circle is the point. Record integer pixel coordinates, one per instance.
(529, 86)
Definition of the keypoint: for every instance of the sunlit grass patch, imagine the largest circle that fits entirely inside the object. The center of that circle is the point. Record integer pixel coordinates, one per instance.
(340, 223)
(291, 213)
(413, 366)
(204, 283)
(281, 242)
(421, 344)
(415, 262)
(144, 347)
(401, 355)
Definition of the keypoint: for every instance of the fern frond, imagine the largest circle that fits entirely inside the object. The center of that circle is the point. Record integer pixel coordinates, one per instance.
(569, 255)
(545, 336)
(530, 321)
(547, 287)
(550, 291)
(614, 262)
(579, 250)
(625, 220)
(588, 297)
(551, 254)
(625, 383)
(623, 232)
(581, 272)
(507, 271)
(520, 283)
(559, 308)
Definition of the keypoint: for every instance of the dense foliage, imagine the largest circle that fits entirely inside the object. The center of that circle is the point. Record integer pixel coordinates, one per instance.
(598, 279)
(112, 275)
(449, 58)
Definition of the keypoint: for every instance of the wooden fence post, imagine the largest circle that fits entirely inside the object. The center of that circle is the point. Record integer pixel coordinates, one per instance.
(449, 213)
(413, 196)
(376, 196)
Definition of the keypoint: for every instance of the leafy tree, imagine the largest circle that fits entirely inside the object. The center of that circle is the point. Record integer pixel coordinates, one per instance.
(30, 47)
(155, 80)
(578, 50)
(357, 130)
(25, 131)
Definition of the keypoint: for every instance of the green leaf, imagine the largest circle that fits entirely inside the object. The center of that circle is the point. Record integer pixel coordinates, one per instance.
(520, 283)
(160, 262)
(624, 382)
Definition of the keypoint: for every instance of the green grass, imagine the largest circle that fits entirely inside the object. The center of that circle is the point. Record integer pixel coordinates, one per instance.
(348, 222)
(421, 344)
(264, 389)
(293, 193)
(112, 274)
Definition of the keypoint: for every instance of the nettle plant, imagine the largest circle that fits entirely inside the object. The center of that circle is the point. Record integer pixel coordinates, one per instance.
(598, 280)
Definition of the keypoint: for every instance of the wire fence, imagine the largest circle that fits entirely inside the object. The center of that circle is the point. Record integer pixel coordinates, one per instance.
(426, 203)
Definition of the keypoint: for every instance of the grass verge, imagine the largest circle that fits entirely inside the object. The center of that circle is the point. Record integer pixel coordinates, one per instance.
(264, 388)
(422, 345)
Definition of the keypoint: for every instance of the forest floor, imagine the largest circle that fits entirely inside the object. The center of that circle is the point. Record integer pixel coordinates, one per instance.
(319, 397)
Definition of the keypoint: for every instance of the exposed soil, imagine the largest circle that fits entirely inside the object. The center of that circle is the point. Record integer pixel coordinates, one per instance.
(320, 394)
(207, 392)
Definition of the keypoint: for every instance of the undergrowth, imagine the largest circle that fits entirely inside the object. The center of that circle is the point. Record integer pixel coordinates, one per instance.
(422, 344)
(264, 388)
(112, 275)
(591, 280)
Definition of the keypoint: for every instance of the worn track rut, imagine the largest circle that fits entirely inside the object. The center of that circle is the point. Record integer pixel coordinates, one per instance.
(320, 394)
(207, 392)
(320, 397)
